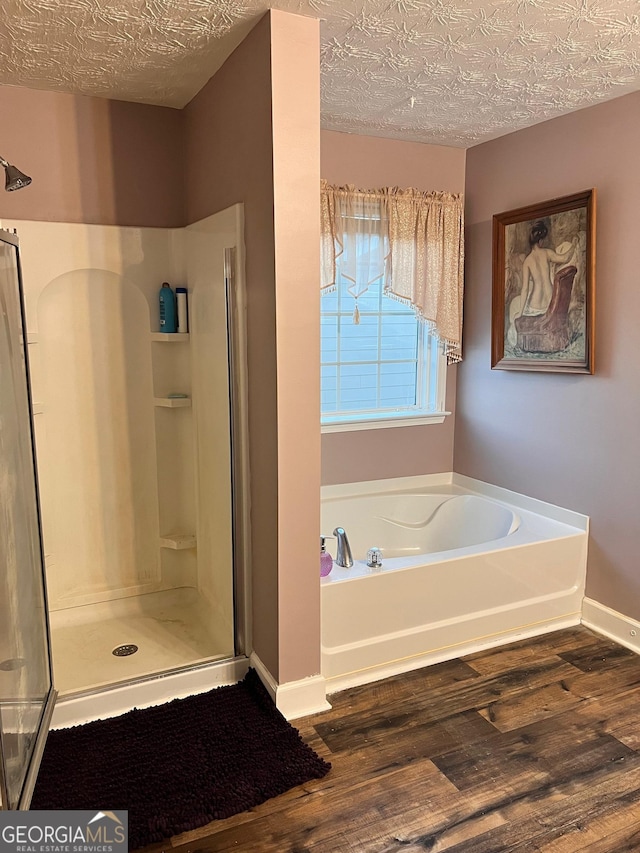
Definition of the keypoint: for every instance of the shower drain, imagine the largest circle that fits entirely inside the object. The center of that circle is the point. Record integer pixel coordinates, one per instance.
(125, 651)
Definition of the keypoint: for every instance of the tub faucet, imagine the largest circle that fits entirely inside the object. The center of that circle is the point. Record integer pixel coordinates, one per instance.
(343, 557)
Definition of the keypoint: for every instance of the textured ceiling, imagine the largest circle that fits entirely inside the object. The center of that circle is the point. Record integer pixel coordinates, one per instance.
(453, 72)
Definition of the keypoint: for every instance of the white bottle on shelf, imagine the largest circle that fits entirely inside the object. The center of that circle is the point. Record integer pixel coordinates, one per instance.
(182, 310)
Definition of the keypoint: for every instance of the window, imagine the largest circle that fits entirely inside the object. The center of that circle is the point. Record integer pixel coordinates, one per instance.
(385, 370)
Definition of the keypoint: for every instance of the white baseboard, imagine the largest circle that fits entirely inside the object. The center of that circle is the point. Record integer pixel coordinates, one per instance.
(294, 698)
(616, 626)
(300, 698)
(113, 701)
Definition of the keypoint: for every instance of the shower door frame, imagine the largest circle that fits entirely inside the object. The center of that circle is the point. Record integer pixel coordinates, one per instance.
(235, 299)
(46, 713)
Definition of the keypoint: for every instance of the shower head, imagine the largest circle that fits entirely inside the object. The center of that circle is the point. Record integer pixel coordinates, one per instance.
(15, 178)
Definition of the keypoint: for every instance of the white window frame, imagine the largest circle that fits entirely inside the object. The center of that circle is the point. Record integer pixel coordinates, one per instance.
(432, 368)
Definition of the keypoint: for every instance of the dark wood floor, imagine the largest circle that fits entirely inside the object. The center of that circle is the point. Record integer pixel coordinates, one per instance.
(534, 746)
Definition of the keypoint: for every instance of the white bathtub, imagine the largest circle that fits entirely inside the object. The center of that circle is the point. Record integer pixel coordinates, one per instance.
(466, 565)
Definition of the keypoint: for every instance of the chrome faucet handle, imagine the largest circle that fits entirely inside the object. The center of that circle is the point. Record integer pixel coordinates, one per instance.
(343, 557)
(374, 557)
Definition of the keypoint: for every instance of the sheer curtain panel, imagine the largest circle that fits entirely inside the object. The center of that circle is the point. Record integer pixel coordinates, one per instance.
(414, 239)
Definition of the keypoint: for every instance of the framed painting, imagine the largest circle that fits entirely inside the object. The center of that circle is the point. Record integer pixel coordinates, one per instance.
(543, 286)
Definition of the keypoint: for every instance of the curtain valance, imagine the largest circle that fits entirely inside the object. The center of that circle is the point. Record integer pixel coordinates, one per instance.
(414, 239)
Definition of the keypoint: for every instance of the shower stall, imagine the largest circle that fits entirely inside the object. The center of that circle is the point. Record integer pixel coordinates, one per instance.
(142, 517)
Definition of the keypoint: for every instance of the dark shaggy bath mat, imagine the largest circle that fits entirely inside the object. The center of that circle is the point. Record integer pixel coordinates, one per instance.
(178, 766)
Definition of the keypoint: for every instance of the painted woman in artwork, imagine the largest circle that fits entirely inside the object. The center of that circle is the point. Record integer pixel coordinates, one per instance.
(538, 270)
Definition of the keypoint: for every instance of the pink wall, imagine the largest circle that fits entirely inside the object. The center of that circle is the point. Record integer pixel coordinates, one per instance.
(571, 440)
(229, 153)
(370, 162)
(252, 136)
(295, 69)
(92, 160)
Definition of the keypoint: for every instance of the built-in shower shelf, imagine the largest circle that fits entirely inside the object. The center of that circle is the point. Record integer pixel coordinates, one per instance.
(170, 337)
(178, 541)
(173, 402)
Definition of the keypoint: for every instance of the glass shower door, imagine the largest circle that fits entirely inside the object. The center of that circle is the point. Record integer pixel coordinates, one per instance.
(26, 690)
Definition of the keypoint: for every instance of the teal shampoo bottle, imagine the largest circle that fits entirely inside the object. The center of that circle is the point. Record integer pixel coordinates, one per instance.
(167, 299)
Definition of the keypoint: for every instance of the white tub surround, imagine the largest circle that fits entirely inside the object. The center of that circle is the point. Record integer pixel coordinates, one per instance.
(466, 565)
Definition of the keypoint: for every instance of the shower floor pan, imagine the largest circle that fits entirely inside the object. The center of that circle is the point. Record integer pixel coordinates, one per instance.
(171, 629)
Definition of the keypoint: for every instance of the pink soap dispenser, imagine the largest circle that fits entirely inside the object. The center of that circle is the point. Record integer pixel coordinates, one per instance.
(326, 560)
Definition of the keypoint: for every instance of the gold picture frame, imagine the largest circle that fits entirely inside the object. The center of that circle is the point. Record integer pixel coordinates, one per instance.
(543, 286)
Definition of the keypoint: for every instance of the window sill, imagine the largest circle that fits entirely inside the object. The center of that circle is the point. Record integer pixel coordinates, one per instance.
(384, 422)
